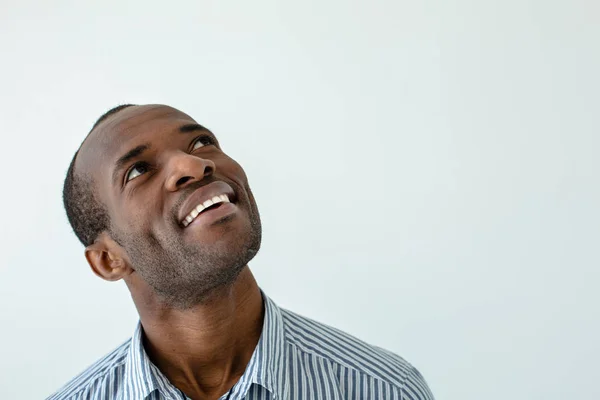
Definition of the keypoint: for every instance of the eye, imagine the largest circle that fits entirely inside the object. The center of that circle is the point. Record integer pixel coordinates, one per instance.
(136, 170)
(202, 141)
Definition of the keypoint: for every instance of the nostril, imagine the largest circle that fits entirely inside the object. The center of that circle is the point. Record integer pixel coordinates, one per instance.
(183, 180)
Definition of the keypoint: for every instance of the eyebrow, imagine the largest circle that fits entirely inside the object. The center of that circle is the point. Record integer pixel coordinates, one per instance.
(131, 154)
(191, 128)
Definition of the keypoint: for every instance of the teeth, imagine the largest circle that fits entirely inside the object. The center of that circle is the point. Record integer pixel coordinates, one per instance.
(200, 207)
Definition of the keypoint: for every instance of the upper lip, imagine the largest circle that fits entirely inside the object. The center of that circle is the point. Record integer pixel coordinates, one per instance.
(202, 194)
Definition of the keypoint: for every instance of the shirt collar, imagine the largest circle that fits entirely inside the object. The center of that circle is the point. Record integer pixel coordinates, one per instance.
(267, 363)
(139, 380)
(265, 368)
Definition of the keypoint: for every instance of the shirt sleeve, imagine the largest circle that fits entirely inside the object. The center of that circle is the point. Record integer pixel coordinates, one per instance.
(415, 387)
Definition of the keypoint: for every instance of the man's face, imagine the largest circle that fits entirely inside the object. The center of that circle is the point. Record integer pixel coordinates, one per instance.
(157, 171)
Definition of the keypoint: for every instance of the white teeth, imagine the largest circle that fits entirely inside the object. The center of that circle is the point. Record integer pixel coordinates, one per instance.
(200, 207)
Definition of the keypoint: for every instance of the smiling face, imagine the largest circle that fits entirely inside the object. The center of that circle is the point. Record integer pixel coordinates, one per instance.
(180, 209)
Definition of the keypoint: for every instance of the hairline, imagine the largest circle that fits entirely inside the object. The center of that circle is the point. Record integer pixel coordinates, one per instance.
(85, 177)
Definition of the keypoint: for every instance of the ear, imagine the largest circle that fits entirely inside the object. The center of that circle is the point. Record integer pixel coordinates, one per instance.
(107, 259)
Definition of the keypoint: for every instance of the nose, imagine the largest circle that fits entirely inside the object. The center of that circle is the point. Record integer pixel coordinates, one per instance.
(184, 169)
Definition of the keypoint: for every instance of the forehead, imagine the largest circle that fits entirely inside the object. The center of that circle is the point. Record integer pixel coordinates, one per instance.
(124, 130)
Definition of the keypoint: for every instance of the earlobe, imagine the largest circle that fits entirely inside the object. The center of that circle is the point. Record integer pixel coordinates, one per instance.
(103, 258)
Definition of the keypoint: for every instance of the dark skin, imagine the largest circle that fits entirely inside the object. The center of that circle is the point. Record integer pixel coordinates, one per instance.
(200, 307)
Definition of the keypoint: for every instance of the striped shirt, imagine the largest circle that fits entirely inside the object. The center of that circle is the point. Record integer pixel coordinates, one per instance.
(295, 358)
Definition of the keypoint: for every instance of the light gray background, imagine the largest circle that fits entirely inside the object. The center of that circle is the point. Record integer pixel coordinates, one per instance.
(427, 174)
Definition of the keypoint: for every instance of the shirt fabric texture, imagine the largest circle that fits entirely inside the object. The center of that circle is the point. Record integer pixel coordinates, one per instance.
(295, 358)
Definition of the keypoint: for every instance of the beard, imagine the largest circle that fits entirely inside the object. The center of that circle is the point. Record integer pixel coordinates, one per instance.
(184, 274)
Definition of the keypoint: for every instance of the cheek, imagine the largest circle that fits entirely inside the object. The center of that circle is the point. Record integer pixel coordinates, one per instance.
(235, 171)
(239, 175)
(136, 217)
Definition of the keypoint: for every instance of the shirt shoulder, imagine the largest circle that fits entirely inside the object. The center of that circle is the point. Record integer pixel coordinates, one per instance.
(348, 352)
(107, 372)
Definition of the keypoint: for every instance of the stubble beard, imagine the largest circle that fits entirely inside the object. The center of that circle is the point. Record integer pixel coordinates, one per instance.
(183, 275)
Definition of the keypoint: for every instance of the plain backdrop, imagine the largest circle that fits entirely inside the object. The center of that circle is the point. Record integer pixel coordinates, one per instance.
(427, 174)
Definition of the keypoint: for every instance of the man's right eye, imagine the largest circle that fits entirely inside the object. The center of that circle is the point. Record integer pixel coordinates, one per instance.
(136, 170)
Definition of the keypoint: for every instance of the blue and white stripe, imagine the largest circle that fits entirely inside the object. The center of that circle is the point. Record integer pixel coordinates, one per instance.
(296, 358)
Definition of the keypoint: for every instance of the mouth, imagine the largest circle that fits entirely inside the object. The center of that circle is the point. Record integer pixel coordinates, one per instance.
(204, 207)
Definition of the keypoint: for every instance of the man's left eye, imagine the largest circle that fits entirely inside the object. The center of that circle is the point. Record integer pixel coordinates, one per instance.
(202, 141)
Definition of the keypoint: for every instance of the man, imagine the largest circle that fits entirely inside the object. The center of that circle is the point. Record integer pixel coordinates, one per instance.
(158, 204)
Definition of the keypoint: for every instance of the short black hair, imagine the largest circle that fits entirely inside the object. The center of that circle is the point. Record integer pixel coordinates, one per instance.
(86, 214)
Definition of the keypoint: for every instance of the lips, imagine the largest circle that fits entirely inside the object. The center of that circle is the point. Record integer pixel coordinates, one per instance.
(205, 198)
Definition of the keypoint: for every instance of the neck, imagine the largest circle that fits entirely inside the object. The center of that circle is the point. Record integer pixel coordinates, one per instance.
(204, 350)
